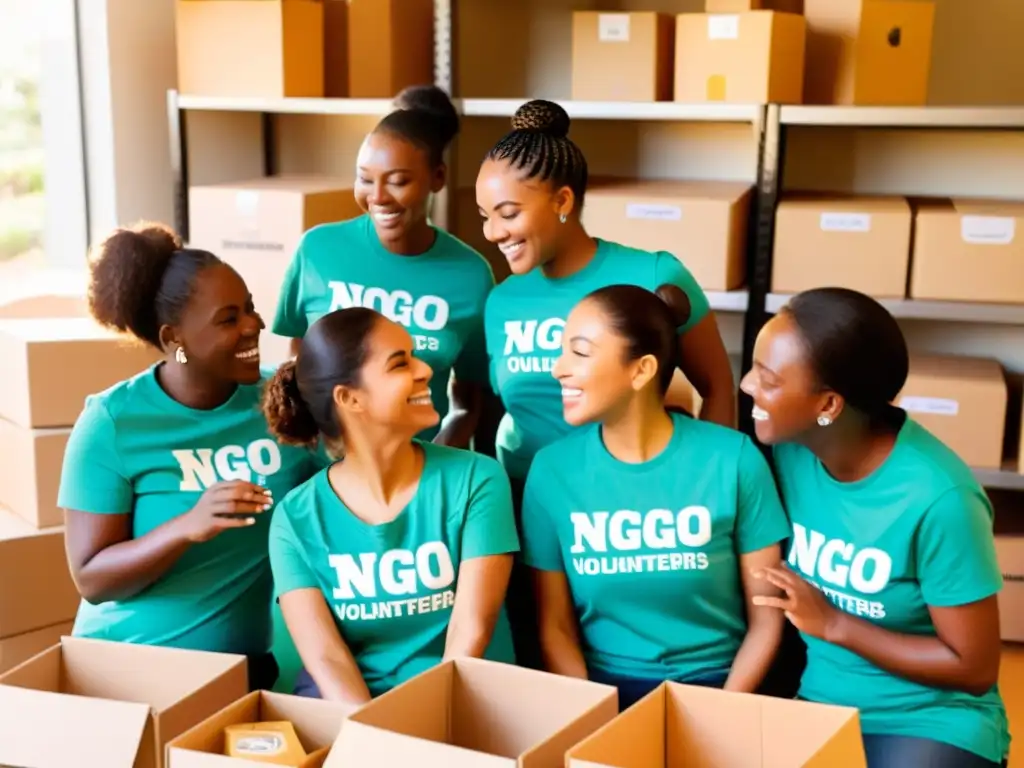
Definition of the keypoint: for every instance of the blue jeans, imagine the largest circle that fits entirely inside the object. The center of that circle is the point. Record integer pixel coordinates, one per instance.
(886, 751)
(631, 690)
(306, 686)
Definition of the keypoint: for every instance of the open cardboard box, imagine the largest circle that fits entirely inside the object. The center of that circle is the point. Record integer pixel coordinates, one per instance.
(97, 704)
(316, 722)
(683, 725)
(471, 713)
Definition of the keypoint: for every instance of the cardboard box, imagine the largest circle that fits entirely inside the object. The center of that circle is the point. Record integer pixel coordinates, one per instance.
(739, 6)
(968, 251)
(390, 46)
(703, 224)
(255, 226)
(335, 49)
(316, 723)
(868, 52)
(471, 713)
(622, 56)
(20, 648)
(962, 401)
(861, 243)
(255, 48)
(1010, 553)
(37, 559)
(52, 364)
(30, 467)
(748, 58)
(679, 725)
(94, 703)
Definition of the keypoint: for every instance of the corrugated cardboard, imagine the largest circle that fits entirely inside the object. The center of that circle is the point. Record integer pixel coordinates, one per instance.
(622, 56)
(474, 714)
(861, 243)
(255, 226)
(703, 224)
(749, 58)
(316, 722)
(30, 467)
(52, 364)
(681, 725)
(36, 588)
(390, 46)
(868, 52)
(1010, 553)
(15, 650)
(738, 6)
(962, 401)
(97, 704)
(254, 48)
(968, 251)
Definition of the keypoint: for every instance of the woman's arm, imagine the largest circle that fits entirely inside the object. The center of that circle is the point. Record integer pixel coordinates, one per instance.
(764, 625)
(464, 415)
(559, 633)
(705, 362)
(323, 652)
(478, 600)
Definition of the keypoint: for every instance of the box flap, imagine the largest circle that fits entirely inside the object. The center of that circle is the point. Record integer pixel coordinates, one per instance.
(14, 527)
(52, 730)
(634, 739)
(366, 746)
(811, 735)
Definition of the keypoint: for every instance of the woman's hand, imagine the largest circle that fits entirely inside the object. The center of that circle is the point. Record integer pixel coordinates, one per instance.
(230, 504)
(804, 605)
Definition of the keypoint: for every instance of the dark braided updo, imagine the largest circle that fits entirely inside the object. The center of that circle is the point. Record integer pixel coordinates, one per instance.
(539, 144)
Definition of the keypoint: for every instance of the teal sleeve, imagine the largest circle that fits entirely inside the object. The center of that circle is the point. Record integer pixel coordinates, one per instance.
(287, 560)
(490, 524)
(761, 520)
(541, 549)
(289, 319)
(956, 551)
(93, 478)
(670, 270)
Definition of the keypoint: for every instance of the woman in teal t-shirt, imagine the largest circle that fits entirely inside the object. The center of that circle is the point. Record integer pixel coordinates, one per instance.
(169, 477)
(394, 261)
(397, 557)
(645, 527)
(892, 576)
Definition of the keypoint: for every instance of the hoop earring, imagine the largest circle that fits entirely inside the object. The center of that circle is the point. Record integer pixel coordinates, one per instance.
(824, 421)
(563, 218)
(179, 355)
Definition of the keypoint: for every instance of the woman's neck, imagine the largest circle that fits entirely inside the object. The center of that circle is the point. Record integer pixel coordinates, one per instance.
(182, 385)
(853, 450)
(418, 240)
(639, 432)
(576, 251)
(384, 470)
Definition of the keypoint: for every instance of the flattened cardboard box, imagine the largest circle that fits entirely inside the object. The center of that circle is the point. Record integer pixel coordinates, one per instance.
(30, 469)
(474, 714)
(679, 725)
(97, 704)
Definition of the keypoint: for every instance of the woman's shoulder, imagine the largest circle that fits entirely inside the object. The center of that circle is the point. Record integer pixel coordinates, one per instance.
(330, 234)
(301, 500)
(469, 466)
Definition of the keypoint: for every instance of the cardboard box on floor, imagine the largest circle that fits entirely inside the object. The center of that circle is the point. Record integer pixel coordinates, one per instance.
(1010, 553)
(963, 402)
(968, 251)
(622, 56)
(255, 226)
(15, 650)
(749, 58)
(52, 364)
(679, 725)
(703, 224)
(390, 46)
(254, 48)
(474, 714)
(30, 468)
(861, 243)
(316, 723)
(868, 52)
(97, 704)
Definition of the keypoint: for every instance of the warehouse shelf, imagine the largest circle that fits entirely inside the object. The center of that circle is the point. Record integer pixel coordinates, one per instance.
(623, 110)
(977, 118)
(284, 106)
(951, 311)
(728, 301)
(1006, 479)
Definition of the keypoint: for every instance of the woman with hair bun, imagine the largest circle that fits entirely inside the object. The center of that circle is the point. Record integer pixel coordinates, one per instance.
(394, 261)
(892, 576)
(169, 477)
(397, 557)
(644, 528)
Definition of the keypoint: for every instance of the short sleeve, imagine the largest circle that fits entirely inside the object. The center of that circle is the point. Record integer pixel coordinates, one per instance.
(541, 549)
(490, 525)
(93, 478)
(761, 520)
(956, 551)
(289, 319)
(287, 560)
(670, 270)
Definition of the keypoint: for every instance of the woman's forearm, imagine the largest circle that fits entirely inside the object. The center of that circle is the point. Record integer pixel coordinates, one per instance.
(719, 407)
(756, 653)
(339, 679)
(561, 652)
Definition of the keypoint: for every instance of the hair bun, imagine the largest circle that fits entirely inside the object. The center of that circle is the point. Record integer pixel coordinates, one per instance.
(677, 301)
(542, 116)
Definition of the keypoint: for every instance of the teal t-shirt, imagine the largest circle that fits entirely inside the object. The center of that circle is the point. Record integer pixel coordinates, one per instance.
(916, 532)
(439, 296)
(651, 550)
(391, 587)
(136, 451)
(524, 320)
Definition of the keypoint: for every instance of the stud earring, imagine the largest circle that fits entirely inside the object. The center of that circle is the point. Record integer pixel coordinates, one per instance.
(563, 218)
(179, 355)
(824, 421)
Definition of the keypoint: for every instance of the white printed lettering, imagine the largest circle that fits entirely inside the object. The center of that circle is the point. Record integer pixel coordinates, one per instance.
(428, 313)
(204, 467)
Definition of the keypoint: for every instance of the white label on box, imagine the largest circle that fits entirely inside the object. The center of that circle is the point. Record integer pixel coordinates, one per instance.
(988, 230)
(613, 27)
(937, 406)
(723, 27)
(247, 203)
(845, 222)
(654, 211)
